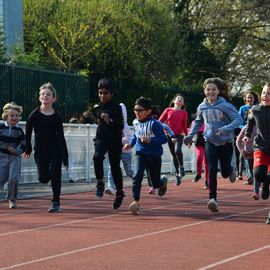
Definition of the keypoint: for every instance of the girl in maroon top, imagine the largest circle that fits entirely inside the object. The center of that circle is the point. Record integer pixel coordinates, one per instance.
(176, 118)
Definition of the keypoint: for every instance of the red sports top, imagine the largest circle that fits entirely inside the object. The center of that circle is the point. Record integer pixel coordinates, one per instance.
(175, 119)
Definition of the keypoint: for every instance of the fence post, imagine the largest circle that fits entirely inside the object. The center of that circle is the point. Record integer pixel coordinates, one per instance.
(88, 158)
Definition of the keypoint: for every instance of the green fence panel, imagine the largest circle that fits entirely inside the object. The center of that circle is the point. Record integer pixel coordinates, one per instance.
(21, 85)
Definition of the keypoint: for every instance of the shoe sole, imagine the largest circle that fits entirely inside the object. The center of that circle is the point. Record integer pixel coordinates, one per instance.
(212, 207)
(109, 192)
(162, 190)
(54, 211)
(134, 209)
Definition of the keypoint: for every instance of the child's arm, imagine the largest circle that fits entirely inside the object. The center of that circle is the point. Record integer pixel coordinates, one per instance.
(28, 137)
(160, 136)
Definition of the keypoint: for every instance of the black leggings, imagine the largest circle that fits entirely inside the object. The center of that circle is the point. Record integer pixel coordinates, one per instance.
(176, 151)
(49, 169)
(223, 154)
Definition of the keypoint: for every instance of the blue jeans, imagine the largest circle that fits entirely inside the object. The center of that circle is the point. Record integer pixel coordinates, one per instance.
(153, 166)
(126, 160)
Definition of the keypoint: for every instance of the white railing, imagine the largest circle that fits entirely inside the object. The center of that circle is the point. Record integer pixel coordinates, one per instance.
(80, 145)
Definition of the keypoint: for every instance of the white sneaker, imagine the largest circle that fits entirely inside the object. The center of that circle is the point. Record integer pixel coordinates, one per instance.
(134, 208)
(213, 205)
(109, 191)
(232, 176)
(12, 204)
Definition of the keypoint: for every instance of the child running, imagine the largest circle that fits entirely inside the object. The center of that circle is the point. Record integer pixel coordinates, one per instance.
(220, 118)
(148, 138)
(50, 144)
(176, 118)
(12, 145)
(108, 139)
(259, 117)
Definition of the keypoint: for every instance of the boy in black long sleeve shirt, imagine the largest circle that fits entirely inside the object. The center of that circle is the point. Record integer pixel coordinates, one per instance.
(108, 139)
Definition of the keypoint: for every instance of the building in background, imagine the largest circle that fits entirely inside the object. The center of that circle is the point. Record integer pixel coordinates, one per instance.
(11, 24)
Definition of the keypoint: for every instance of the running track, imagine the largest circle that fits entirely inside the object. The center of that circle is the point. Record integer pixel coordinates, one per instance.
(173, 232)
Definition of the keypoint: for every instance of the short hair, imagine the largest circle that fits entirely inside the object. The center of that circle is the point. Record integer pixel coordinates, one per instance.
(87, 118)
(106, 83)
(49, 86)
(146, 103)
(74, 120)
(13, 106)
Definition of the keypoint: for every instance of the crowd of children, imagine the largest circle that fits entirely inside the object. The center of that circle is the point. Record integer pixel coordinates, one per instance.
(214, 128)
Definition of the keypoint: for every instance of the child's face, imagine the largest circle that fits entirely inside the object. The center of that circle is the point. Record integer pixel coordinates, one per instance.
(13, 117)
(265, 96)
(211, 92)
(178, 101)
(46, 97)
(249, 99)
(141, 113)
(104, 95)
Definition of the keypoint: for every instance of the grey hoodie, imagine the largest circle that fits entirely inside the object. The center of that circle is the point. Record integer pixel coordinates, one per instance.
(220, 116)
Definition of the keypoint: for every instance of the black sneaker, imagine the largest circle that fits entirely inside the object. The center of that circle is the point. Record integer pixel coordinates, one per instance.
(178, 180)
(205, 185)
(55, 208)
(268, 220)
(197, 178)
(182, 170)
(162, 190)
(265, 191)
(118, 199)
(100, 189)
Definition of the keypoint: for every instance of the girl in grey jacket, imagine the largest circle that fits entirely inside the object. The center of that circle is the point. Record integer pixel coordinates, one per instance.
(220, 119)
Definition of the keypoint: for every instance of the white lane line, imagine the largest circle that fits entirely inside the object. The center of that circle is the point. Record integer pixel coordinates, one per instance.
(107, 216)
(233, 258)
(126, 240)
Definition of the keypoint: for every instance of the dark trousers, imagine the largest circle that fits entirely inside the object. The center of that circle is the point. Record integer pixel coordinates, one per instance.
(176, 151)
(114, 154)
(223, 154)
(49, 169)
(153, 167)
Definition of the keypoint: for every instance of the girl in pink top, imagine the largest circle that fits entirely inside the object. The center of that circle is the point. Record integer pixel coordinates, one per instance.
(176, 118)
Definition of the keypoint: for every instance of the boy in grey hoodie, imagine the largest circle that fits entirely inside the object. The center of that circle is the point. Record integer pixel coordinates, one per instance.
(220, 119)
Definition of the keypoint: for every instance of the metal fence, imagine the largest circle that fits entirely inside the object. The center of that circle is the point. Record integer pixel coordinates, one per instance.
(21, 85)
(80, 145)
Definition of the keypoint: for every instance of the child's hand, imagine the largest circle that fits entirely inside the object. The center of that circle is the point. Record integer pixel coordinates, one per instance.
(105, 117)
(145, 140)
(127, 146)
(11, 150)
(25, 155)
(187, 141)
(174, 140)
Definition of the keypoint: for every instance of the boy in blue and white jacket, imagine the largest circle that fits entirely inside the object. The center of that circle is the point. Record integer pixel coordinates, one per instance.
(148, 137)
(220, 119)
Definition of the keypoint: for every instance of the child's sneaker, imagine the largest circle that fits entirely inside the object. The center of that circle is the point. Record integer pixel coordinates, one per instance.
(55, 208)
(100, 189)
(178, 180)
(268, 220)
(109, 191)
(197, 178)
(213, 205)
(205, 184)
(256, 196)
(118, 199)
(182, 170)
(232, 176)
(152, 190)
(134, 208)
(249, 181)
(12, 204)
(162, 190)
(265, 191)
